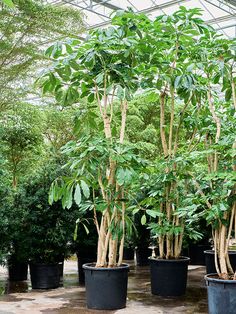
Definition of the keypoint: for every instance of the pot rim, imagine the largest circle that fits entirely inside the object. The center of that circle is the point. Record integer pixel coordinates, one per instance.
(213, 252)
(43, 264)
(217, 280)
(91, 266)
(179, 260)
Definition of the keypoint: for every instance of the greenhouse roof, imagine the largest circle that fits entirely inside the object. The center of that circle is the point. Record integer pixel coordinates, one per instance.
(219, 14)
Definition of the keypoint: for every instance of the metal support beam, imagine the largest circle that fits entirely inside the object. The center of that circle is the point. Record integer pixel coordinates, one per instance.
(221, 19)
(223, 5)
(148, 10)
(85, 8)
(227, 26)
(162, 6)
(107, 4)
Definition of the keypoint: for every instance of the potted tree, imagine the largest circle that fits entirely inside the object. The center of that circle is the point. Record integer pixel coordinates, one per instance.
(215, 182)
(171, 198)
(101, 163)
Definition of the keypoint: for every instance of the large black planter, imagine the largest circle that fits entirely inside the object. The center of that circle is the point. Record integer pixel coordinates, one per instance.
(106, 288)
(85, 255)
(196, 253)
(169, 277)
(128, 254)
(142, 256)
(44, 276)
(221, 295)
(17, 271)
(210, 261)
(61, 268)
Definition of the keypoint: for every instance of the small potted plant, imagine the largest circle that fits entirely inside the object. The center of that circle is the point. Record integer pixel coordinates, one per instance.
(50, 228)
(14, 235)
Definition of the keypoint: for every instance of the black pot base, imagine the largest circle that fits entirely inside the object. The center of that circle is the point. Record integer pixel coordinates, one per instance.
(106, 288)
(44, 276)
(169, 277)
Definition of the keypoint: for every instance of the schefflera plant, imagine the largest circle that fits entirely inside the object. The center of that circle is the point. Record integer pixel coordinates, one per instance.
(172, 74)
(102, 70)
(216, 182)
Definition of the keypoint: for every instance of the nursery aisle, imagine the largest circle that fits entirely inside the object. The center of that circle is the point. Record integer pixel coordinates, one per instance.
(70, 298)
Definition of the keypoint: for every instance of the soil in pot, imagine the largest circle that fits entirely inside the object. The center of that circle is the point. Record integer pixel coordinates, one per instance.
(221, 295)
(169, 277)
(106, 288)
(44, 276)
(17, 271)
(210, 261)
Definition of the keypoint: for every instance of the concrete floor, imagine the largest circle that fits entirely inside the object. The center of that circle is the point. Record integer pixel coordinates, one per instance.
(70, 298)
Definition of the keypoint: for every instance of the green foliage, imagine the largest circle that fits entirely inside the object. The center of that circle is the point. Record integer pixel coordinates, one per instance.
(25, 30)
(49, 227)
(21, 139)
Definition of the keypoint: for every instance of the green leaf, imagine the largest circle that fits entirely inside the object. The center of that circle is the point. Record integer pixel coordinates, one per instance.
(91, 98)
(135, 211)
(9, 3)
(120, 92)
(120, 176)
(67, 196)
(143, 219)
(85, 188)
(228, 94)
(99, 78)
(51, 194)
(49, 51)
(77, 194)
(177, 81)
(152, 213)
(86, 229)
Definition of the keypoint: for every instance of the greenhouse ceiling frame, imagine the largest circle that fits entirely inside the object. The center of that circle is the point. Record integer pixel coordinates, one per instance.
(102, 8)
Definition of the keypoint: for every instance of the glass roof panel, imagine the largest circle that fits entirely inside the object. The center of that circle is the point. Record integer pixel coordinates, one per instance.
(220, 14)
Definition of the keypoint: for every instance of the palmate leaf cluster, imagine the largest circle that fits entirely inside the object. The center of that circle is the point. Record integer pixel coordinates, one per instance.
(87, 158)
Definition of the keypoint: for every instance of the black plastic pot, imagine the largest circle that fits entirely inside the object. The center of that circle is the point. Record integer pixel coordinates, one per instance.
(17, 271)
(61, 268)
(196, 253)
(128, 254)
(221, 295)
(169, 277)
(142, 256)
(106, 288)
(44, 276)
(210, 261)
(85, 255)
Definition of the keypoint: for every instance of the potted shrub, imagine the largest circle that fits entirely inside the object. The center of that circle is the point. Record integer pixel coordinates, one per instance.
(50, 228)
(20, 144)
(101, 162)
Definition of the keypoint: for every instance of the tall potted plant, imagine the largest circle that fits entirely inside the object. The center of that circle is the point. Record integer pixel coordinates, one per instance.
(215, 182)
(171, 200)
(101, 163)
